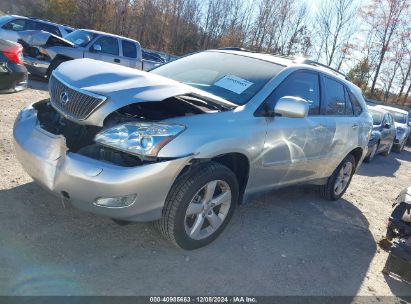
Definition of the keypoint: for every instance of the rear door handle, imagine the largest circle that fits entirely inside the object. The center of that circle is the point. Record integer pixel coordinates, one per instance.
(355, 126)
(117, 60)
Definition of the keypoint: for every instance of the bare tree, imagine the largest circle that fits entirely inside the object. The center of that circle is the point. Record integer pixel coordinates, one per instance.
(335, 25)
(384, 17)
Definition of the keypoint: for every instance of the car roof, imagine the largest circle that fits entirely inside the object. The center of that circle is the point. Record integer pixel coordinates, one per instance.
(375, 109)
(392, 109)
(285, 61)
(38, 19)
(108, 34)
(289, 61)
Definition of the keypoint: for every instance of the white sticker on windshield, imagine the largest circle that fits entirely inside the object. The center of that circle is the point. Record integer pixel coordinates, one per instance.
(234, 84)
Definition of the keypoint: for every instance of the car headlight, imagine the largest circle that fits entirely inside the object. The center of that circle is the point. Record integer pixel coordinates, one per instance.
(140, 138)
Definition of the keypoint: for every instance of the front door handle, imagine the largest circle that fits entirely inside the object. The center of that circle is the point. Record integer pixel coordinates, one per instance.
(355, 126)
(117, 60)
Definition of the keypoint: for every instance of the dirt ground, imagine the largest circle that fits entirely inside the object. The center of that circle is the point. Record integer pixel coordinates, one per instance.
(287, 242)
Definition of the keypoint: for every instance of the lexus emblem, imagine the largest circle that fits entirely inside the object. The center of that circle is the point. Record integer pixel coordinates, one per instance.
(64, 98)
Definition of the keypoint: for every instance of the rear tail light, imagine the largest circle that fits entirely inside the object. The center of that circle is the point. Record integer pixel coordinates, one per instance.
(14, 54)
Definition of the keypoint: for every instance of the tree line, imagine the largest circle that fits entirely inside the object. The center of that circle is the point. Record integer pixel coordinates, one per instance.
(369, 40)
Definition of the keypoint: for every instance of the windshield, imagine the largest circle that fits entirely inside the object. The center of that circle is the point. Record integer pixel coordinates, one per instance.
(376, 117)
(80, 37)
(400, 118)
(233, 77)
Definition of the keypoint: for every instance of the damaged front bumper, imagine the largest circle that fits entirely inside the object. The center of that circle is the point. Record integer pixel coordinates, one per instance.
(85, 182)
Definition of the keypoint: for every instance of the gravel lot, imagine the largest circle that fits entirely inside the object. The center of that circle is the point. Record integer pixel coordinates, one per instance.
(287, 242)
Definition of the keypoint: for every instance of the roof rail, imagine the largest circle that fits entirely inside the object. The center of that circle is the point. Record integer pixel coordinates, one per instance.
(312, 62)
(283, 56)
(37, 18)
(234, 48)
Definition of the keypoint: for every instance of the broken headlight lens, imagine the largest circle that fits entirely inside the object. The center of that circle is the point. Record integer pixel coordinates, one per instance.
(139, 138)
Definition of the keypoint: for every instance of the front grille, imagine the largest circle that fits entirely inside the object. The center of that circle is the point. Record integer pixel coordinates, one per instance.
(75, 104)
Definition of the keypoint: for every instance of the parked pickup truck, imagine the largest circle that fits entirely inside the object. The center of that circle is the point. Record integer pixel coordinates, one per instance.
(183, 144)
(43, 52)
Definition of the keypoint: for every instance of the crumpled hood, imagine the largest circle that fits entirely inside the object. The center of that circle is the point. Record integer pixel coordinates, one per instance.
(123, 85)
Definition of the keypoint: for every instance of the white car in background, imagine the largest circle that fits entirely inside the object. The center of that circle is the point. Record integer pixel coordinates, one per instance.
(402, 124)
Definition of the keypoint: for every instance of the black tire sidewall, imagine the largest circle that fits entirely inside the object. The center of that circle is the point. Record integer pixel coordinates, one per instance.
(54, 64)
(180, 235)
(370, 157)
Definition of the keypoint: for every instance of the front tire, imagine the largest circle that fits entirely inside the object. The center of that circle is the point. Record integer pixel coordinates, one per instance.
(53, 65)
(339, 181)
(199, 206)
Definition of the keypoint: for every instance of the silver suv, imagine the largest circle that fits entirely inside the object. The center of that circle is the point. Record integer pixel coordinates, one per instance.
(12, 25)
(182, 145)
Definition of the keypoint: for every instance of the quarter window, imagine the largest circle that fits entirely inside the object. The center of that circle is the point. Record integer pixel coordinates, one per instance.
(109, 45)
(334, 97)
(355, 104)
(129, 49)
(303, 84)
(18, 25)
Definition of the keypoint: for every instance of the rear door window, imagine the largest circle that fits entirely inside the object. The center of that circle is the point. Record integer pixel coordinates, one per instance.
(303, 84)
(355, 103)
(48, 28)
(129, 49)
(335, 103)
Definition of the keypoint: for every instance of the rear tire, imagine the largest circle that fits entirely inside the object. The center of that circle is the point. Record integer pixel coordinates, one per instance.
(388, 151)
(339, 181)
(193, 216)
(398, 149)
(372, 154)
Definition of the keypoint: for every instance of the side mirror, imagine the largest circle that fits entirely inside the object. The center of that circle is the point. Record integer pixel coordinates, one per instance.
(291, 106)
(387, 126)
(96, 47)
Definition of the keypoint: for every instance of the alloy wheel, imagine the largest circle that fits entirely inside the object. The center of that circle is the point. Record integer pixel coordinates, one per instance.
(207, 210)
(343, 178)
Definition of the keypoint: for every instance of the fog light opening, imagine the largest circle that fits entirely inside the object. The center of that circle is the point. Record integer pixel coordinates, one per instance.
(116, 202)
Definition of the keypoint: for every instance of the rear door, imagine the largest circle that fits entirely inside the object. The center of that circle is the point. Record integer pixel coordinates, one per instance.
(110, 50)
(385, 131)
(342, 120)
(130, 54)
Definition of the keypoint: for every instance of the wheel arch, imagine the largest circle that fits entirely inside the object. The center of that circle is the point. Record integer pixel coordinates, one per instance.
(240, 165)
(357, 153)
(237, 162)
